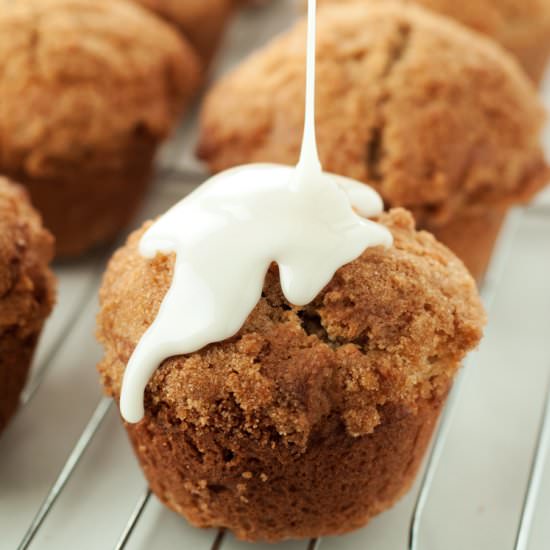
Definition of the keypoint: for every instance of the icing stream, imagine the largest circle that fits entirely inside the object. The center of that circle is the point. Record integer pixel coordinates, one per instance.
(227, 233)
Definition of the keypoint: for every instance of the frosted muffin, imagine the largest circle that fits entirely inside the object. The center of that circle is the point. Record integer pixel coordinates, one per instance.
(88, 89)
(310, 420)
(202, 22)
(435, 117)
(520, 26)
(26, 291)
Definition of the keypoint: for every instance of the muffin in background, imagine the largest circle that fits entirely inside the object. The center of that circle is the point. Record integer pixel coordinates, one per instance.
(310, 420)
(520, 26)
(437, 118)
(27, 290)
(202, 22)
(89, 90)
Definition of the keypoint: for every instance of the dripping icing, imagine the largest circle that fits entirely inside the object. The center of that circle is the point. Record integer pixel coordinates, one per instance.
(227, 233)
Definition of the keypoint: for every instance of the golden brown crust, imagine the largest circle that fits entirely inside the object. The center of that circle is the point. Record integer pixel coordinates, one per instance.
(90, 208)
(201, 21)
(274, 492)
(94, 74)
(472, 238)
(26, 290)
(437, 118)
(522, 27)
(382, 341)
(88, 91)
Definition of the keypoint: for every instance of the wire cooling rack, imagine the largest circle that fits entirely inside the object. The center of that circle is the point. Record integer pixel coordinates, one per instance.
(68, 478)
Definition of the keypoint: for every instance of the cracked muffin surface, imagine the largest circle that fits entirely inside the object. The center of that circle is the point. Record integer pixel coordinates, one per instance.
(26, 290)
(88, 89)
(397, 107)
(437, 118)
(243, 433)
(520, 26)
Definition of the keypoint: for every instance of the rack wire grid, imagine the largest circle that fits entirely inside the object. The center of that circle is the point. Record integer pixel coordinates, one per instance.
(68, 478)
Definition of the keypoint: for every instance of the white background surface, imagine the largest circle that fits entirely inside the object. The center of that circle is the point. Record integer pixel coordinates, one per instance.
(477, 493)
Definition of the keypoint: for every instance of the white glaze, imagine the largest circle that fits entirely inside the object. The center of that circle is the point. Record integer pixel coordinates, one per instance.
(227, 233)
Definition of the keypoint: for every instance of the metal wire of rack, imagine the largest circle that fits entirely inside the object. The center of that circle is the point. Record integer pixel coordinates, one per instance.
(169, 179)
(432, 463)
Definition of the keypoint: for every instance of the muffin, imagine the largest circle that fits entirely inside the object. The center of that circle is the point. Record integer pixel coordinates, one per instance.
(435, 117)
(202, 22)
(520, 26)
(311, 419)
(26, 290)
(89, 89)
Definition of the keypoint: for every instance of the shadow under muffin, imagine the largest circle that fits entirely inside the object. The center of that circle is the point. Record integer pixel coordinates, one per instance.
(311, 419)
(89, 90)
(27, 290)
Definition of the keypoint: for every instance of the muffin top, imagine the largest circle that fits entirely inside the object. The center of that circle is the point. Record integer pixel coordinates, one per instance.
(505, 20)
(389, 329)
(26, 248)
(435, 117)
(201, 21)
(486, 15)
(521, 26)
(82, 80)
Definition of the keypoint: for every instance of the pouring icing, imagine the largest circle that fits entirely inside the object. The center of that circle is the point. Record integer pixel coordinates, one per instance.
(226, 234)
